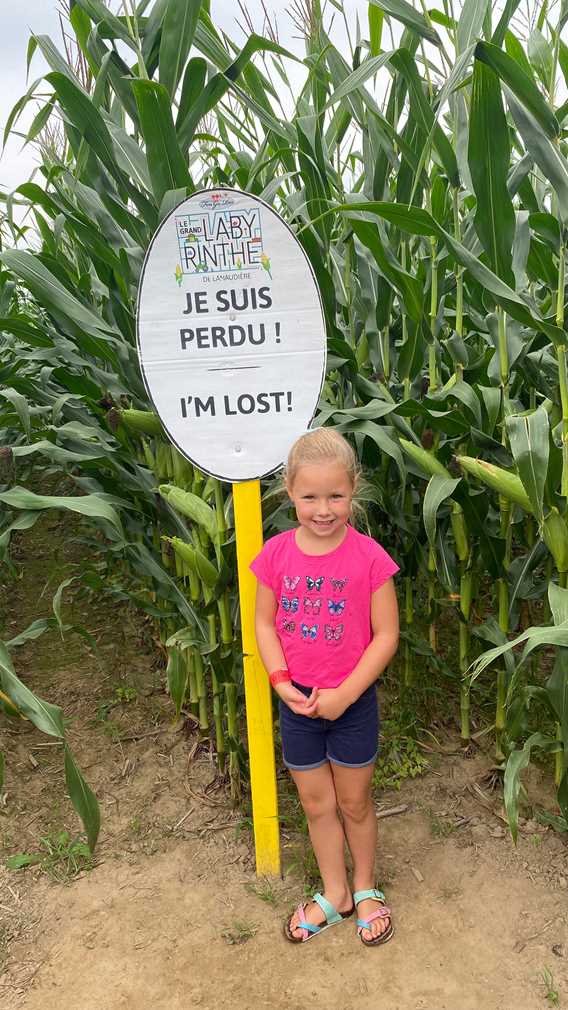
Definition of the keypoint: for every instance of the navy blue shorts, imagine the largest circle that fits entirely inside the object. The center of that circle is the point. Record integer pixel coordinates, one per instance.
(352, 740)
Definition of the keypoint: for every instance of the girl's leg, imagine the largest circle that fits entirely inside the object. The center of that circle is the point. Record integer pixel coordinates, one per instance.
(353, 791)
(318, 799)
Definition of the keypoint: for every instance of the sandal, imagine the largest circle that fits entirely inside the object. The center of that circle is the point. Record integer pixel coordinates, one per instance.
(382, 913)
(309, 930)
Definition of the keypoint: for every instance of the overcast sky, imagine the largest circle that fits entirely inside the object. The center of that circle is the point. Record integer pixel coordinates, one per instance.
(18, 19)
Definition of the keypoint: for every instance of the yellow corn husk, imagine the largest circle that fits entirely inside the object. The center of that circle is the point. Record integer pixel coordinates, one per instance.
(425, 459)
(502, 481)
(191, 506)
(142, 422)
(459, 530)
(555, 536)
(195, 560)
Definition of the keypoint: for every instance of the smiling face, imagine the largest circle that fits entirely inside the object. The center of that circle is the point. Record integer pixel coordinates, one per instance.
(322, 495)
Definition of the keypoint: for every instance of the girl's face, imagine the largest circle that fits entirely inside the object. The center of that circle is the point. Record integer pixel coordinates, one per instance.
(322, 494)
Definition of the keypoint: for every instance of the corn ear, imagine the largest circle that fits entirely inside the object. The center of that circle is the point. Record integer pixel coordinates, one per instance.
(505, 483)
(142, 422)
(459, 530)
(209, 489)
(183, 470)
(423, 458)
(161, 455)
(555, 536)
(191, 506)
(148, 455)
(195, 560)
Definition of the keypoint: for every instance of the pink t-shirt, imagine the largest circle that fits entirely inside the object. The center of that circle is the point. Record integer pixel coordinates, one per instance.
(323, 619)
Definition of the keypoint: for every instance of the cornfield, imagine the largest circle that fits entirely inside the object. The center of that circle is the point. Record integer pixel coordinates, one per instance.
(426, 176)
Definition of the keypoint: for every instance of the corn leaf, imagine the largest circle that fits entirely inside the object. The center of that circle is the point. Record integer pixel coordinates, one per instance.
(470, 23)
(558, 600)
(402, 11)
(45, 716)
(438, 489)
(520, 84)
(529, 440)
(420, 222)
(82, 798)
(51, 293)
(88, 505)
(489, 158)
(178, 29)
(166, 164)
(547, 155)
(177, 677)
(517, 761)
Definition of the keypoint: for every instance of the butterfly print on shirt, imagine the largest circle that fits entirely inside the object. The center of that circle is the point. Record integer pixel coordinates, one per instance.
(312, 606)
(333, 634)
(310, 634)
(288, 626)
(290, 582)
(336, 607)
(338, 585)
(314, 583)
(290, 605)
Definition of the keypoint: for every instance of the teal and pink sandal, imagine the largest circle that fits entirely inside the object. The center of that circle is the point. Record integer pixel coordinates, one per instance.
(382, 913)
(332, 918)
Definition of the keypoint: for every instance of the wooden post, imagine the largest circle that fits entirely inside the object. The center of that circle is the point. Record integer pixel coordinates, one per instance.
(248, 529)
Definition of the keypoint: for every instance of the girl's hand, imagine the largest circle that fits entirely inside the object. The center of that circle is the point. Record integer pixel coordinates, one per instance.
(297, 701)
(331, 703)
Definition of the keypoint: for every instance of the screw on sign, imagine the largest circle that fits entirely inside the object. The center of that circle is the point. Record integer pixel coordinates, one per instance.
(231, 338)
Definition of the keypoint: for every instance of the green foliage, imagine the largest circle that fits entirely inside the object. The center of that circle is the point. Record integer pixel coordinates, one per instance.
(60, 856)
(551, 994)
(400, 757)
(239, 932)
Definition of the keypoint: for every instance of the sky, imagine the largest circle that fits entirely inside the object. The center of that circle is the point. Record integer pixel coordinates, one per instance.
(17, 20)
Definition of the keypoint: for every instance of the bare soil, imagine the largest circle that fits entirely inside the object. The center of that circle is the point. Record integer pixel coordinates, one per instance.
(172, 916)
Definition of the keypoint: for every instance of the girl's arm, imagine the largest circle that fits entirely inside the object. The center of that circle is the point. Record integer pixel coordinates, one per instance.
(267, 640)
(378, 654)
(271, 652)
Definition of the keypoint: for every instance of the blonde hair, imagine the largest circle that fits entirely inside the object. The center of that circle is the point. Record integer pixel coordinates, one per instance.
(322, 445)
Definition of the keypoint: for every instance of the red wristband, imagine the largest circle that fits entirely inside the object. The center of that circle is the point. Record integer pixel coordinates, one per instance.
(280, 677)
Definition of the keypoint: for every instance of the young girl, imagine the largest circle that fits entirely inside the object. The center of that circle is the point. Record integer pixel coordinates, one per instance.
(326, 627)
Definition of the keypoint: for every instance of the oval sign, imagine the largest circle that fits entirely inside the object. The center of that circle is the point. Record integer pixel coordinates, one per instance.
(231, 333)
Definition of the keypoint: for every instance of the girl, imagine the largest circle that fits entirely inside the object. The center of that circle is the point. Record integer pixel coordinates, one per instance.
(326, 627)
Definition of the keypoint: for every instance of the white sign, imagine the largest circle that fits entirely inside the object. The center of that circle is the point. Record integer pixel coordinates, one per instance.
(231, 333)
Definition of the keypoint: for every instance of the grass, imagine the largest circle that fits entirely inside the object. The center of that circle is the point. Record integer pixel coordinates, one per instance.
(439, 828)
(240, 932)
(264, 890)
(60, 856)
(400, 757)
(551, 995)
(135, 826)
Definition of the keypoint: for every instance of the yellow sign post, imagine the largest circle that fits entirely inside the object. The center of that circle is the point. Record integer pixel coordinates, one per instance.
(248, 530)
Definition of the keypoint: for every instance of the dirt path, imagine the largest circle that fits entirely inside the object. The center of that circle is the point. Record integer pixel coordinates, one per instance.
(172, 915)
